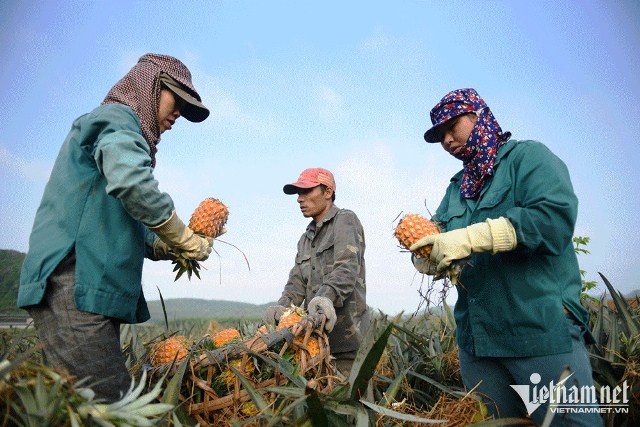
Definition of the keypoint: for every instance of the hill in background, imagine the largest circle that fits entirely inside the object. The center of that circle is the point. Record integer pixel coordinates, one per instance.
(192, 308)
(10, 265)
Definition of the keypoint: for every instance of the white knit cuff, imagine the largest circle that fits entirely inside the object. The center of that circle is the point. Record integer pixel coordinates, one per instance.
(503, 235)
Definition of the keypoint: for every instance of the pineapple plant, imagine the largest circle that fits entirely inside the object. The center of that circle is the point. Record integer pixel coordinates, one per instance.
(164, 352)
(207, 220)
(413, 227)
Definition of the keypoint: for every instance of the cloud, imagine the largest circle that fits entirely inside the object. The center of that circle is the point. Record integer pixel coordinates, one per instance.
(329, 104)
(375, 42)
(31, 170)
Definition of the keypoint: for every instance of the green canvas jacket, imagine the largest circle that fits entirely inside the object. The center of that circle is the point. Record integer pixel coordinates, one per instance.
(511, 304)
(100, 193)
(330, 263)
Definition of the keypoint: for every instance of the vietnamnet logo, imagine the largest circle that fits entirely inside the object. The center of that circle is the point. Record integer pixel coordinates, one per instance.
(573, 399)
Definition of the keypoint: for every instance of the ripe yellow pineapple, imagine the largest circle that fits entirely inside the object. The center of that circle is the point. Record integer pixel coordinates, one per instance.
(207, 220)
(290, 317)
(312, 347)
(163, 352)
(225, 336)
(249, 409)
(262, 330)
(413, 227)
(228, 377)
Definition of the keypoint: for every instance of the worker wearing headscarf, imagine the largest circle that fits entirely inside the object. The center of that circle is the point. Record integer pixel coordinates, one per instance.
(509, 217)
(101, 213)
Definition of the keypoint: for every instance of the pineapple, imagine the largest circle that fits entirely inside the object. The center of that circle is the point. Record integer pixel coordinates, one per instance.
(207, 220)
(262, 330)
(163, 352)
(249, 409)
(290, 317)
(312, 348)
(413, 227)
(225, 336)
(228, 377)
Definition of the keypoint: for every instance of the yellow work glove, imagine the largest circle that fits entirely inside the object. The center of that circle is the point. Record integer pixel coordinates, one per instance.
(495, 235)
(182, 240)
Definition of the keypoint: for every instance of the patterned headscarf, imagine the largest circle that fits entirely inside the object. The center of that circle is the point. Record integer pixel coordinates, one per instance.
(479, 152)
(140, 90)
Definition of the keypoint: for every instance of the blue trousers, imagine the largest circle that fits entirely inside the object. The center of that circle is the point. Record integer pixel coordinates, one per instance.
(496, 375)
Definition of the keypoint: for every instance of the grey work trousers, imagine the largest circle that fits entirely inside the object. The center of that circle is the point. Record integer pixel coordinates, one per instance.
(86, 345)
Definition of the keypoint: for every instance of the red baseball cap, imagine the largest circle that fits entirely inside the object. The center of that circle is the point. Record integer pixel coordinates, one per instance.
(310, 178)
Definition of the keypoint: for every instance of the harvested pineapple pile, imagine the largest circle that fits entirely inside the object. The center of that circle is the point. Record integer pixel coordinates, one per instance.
(221, 367)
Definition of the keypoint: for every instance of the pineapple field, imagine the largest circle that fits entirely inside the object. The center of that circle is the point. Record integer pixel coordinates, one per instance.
(206, 373)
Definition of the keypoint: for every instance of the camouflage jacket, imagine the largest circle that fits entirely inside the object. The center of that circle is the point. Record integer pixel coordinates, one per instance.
(330, 263)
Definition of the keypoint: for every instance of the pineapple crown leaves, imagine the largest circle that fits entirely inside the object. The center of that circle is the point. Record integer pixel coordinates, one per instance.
(134, 408)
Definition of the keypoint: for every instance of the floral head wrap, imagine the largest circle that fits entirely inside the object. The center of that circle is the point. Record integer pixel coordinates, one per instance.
(479, 152)
(140, 90)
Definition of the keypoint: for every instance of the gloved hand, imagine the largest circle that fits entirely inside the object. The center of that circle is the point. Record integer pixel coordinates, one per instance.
(323, 305)
(162, 251)
(496, 235)
(182, 239)
(273, 314)
(423, 265)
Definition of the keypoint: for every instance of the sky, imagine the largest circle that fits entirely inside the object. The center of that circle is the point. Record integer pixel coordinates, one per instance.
(347, 86)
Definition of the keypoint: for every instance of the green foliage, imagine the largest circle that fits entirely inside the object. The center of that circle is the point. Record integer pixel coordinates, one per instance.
(10, 265)
(32, 394)
(615, 357)
(580, 246)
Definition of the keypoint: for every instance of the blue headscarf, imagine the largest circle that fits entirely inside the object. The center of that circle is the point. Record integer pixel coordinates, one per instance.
(479, 152)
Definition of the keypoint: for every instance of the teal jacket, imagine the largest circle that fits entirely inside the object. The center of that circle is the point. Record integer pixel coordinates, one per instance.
(511, 304)
(100, 193)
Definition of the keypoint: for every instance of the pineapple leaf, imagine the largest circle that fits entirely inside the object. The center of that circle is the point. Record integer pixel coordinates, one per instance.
(164, 310)
(172, 391)
(434, 383)
(316, 411)
(257, 398)
(399, 415)
(394, 387)
(630, 326)
(367, 359)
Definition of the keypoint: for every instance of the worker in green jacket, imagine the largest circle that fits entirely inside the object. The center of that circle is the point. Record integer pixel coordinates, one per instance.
(508, 217)
(100, 215)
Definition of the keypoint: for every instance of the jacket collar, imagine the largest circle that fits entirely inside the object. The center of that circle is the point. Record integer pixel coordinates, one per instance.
(502, 152)
(333, 210)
